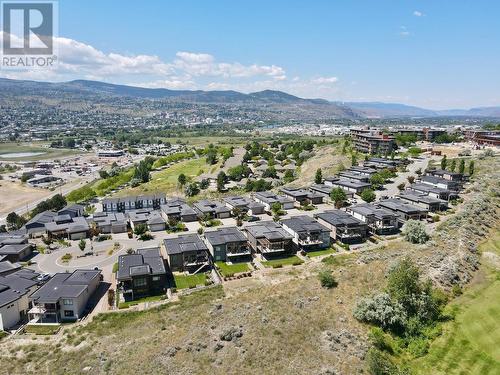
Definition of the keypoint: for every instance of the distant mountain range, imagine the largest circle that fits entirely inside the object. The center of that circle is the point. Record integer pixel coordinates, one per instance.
(94, 90)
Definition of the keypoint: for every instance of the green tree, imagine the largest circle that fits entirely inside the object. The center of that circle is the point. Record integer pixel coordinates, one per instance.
(453, 165)
(82, 244)
(444, 162)
(461, 166)
(401, 186)
(471, 167)
(276, 208)
(368, 195)
(338, 196)
(14, 221)
(414, 232)
(182, 179)
(354, 159)
(192, 190)
(377, 180)
(140, 229)
(411, 179)
(221, 181)
(289, 176)
(318, 178)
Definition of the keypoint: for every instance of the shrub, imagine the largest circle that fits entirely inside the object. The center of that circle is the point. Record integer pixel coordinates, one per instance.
(414, 232)
(327, 280)
(380, 363)
(381, 311)
(381, 340)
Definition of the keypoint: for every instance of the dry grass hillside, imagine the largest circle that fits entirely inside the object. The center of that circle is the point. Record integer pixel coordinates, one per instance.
(279, 322)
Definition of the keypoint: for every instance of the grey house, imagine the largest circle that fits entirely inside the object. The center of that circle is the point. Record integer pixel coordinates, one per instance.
(447, 175)
(433, 191)
(187, 252)
(73, 210)
(64, 297)
(65, 226)
(351, 186)
(36, 226)
(351, 175)
(363, 170)
(307, 233)
(404, 211)
(425, 201)
(109, 222)
(153, 202)
(325, 190)
(268, 198)
(268, 238)
(440, 182)
(212, 209)
(344, 227)
(178, 210)
(378, 219)
(15, 249)
(302, 196)
(227, 243)
(141, 274)
(244, 204)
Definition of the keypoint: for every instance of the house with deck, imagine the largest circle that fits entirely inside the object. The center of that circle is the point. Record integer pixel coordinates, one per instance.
(351, 186)
(212, 209)
(268, 198)
(379, 220)
(141, 274)
(109, 222)
(433, 191)
(403, 211)
(268, 238)
(342, 226)
(244, 204)
(178, 210)
(308, 233)
(227, 244)
(425, 201)
(153, 201)
(303, 196)
(187, 252)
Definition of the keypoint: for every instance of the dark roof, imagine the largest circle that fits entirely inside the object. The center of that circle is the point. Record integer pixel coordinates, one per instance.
(76, 208)
(303, 223)
(184, 243)
(8, 267)
(269, 230)
(147, 261)
(348, 183)
(42, 218)
(269, 197)
(207, 206)
(398, 205)
(13, 287)
(368, 209)
(339, 218)
(225, 235)
(65, 285)
(14, 249)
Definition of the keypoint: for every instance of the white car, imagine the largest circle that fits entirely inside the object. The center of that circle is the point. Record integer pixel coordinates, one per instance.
(44, 277)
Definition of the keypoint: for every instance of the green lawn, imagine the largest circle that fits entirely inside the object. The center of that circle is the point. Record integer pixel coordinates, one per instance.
(319, 253)
(165, 181)
(230, 269)
(470, 344)
(275, 263)
(42, 329)
(125, 305)
(189, 281)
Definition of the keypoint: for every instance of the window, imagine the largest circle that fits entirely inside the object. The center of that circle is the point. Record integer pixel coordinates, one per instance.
(156, 278)
(67, 302)
(140, 282)
(69, 313)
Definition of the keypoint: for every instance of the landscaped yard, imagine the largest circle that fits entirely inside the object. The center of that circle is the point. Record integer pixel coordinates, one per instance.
(189, 281)
(319, 253)
(228, 270)
(125, 305)
(42, 329)
(276, 263)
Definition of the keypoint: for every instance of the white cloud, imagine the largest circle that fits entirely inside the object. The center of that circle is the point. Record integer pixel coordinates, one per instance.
(404, 31)
(418, 14)
(187, 70)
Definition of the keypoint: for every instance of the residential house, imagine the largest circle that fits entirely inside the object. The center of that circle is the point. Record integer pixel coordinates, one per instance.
(110, 222)
(124, 204)
(15, 288)
(425, 201)
(73, 210)
(212, 209)
(141, 274)
(447, 175)
(372, 141)
(187, 252)
(342, 226)
(302, 196)
(378, 219)
(65, 226)
(363, 170)
(268, 198)
(351, 186)
(14, 248)
(351, 175)
(307, 233)
(178, 210)
(268, 238)
(65, 297)
(325, 190)
(433, 191)
(155, 222)
(227, 243)
(404, 211)
(245, 205)
(36, 226)
(440, 182)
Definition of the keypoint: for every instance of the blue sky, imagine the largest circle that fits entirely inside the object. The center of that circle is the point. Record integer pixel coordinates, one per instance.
(435, 54)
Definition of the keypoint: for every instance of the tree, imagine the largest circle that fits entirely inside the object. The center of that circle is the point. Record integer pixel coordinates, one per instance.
(444, 162)
(68, 143)
(14, 221)
(276, 208)
(82, 244)
(411, 179)
(338, 196)
(461, 166)
(453, 165)
(182, 179)
(141, 171)
(354, 159)
(471, 167)
(221, 181)
(377, 180)
(368, 195)
(192, 190)
(289, 176)
(327, 280)
(270, 173)
(401, 186)
(140, 229)
(204, 183)
(211, 156)
(103, 174)
(414, 151)
(318, 178)
(414, 232)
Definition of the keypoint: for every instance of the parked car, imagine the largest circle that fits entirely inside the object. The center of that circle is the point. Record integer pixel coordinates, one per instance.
(43, 278)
